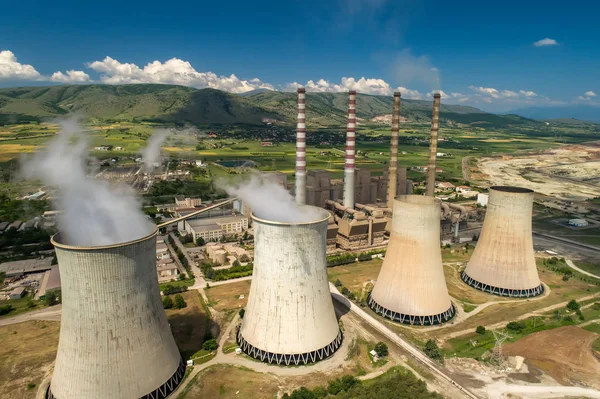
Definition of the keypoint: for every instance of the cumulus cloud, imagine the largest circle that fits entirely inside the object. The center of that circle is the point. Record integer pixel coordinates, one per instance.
(71, 76)
(460, 97)
(587, 96)
(10, 68)
(489, 93)
(363, 85)
(173, 71)
(545, 42)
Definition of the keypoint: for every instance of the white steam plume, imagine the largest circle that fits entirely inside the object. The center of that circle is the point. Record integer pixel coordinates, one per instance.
(151, 153)
(95, 212)
(269, 200)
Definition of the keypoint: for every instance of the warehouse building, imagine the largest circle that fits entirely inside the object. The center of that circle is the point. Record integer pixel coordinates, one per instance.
(211, 229)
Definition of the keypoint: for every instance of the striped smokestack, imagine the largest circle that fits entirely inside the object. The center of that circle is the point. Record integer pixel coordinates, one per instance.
(350, 145)
(435, 124)
(393, 169)
(301, 149)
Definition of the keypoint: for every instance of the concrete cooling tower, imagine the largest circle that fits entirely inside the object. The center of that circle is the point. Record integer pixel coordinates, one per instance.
(289, 319)
(411, 287)
(115, 341)
(503, 262)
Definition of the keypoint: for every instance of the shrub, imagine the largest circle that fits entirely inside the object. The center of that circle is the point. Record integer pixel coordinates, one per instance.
(338, 283)
(480, 330)
(431, 349)
(210, 345)
(242, 312)
(381, 349)
(179, 302)
(573, 306)
(167, 302)
(200, 241)
(516, 326)
(6, 309)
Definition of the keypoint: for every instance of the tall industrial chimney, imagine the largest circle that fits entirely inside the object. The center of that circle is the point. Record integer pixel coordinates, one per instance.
(289, 319)
(115, 341)
(411, 287)
(301, 148)
(435, 125)
(350, 151)
(503, 262)
(393, 169)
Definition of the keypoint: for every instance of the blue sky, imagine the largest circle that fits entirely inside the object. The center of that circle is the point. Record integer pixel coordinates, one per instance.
(478, 53)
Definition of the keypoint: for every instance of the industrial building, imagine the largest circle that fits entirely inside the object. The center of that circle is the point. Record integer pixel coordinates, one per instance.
(289, 318)
(503, 262)
(212, 229)
(50, 282)
(115, 341)
(182, 202)
(26, 266)
(411, 287)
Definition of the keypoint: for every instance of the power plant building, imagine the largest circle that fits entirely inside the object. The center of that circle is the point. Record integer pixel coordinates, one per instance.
(411, 287)
(503, 262)
(289, 318)
(115, 341)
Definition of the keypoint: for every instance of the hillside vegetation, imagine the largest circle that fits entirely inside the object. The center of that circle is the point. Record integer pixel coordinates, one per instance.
(167, 103)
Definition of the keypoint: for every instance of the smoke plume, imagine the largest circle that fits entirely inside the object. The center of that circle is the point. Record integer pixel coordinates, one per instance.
(95, 212)
(269, 200)
(151, 153)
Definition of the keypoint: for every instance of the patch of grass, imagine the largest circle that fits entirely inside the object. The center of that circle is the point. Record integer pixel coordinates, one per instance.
(468, 307)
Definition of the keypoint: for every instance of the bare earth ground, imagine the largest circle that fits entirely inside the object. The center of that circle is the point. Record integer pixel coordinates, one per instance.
(27, 351)
(188, 324)
(565, 353)
(539, 168)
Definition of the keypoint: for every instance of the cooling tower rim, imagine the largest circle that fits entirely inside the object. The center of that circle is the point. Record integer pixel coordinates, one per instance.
(420, 200)
(55, 241)
(324, 218)
(512, 189)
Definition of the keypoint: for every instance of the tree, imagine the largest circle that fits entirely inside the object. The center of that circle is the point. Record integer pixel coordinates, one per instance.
(182, 276)
(200, 241)
(179, 302)
(242, 312)
(244, 258)
(52, 297)
(31, 304)
(236, 263)
(431, 349)
(381, 348)
(516, 326)
(210, 345)
(573, 306)
(5, 309)
(167, 302)
(338, 283)
(480, 330)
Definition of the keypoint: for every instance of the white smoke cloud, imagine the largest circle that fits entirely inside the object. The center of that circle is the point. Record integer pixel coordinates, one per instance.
(411, 68)
(95, 212)
(10, 68)
(72, 76)
(151, 152)
(269, 200)
(545, 42)
(174, 71)
(362, 85)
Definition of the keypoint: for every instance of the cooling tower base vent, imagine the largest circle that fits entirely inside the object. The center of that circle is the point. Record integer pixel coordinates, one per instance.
(529, 293)
(413, 320)
(161, 392)
(289, 360)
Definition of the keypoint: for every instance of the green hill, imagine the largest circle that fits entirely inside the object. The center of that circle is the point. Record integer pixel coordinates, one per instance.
(208, 106)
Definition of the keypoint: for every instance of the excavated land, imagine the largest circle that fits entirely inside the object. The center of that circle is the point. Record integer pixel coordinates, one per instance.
(569, 173)
(564, 353)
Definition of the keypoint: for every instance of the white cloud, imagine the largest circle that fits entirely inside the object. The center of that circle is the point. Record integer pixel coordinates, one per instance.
(488, 91)
(173, 71)
(411, 68)
(460, 97)
(545, 42)
(587, 96)
(72, 76)
(10, 68)
(527, 93)
(363, 85)
(590, 94)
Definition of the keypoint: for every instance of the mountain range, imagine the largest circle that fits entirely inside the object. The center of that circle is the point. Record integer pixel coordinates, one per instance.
(167, 103)
(580, 111)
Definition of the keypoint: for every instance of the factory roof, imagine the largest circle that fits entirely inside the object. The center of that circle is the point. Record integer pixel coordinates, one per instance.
(26, 266)
(169, 266)
(16, 224)
(206, 227)
(3, 226)
(51, 281)
(217, 220)
(17, 291)
(161, 247)
(164, 261)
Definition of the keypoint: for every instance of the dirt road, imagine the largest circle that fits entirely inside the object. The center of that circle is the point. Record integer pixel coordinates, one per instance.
(572, 266)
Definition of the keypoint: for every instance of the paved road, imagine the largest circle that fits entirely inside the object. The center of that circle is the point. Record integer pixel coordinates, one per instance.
(572, 266)
(198, 275)
(51, 314)
(563, 245)
(395, 338)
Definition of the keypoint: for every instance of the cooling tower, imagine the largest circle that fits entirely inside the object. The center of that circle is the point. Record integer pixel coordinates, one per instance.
(393, 169)
(503, 262)
(435, 125)
(349, 178)
(115, 341)
(301, 148)
(289, 319)
(411, 287)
